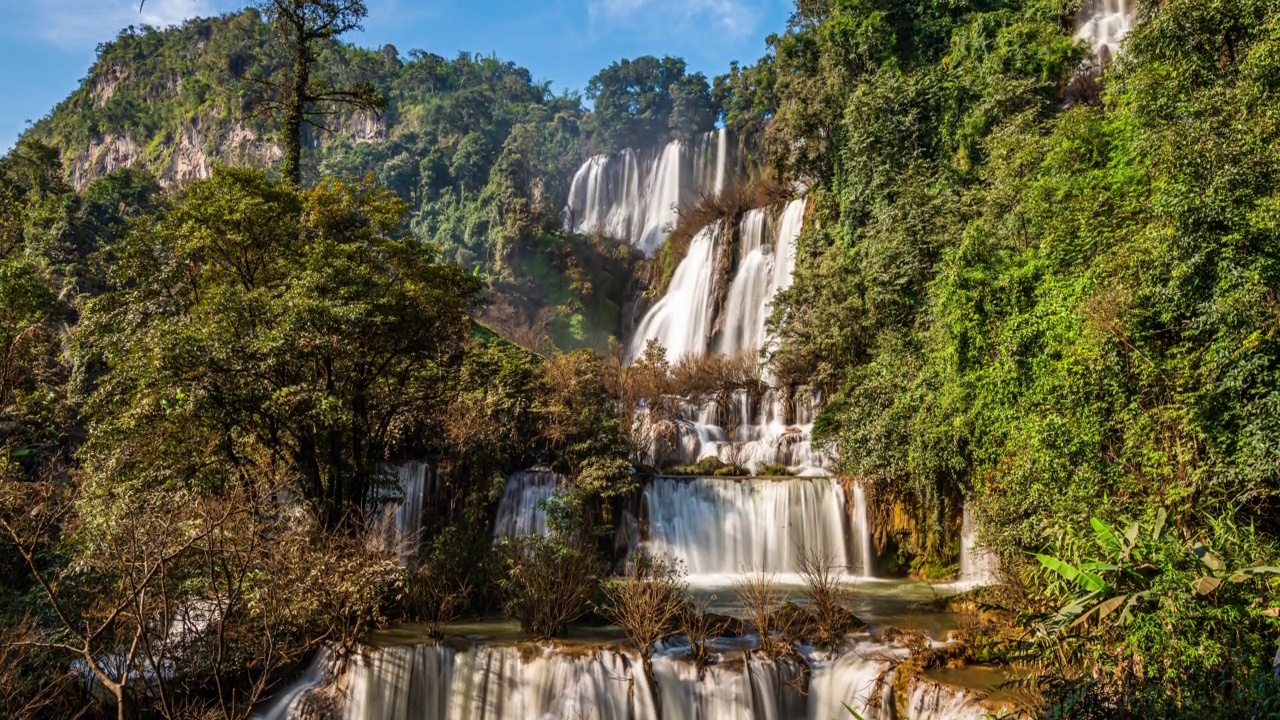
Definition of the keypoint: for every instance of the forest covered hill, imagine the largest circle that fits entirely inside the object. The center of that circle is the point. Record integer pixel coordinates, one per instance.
(1032, 287)
(481, 151)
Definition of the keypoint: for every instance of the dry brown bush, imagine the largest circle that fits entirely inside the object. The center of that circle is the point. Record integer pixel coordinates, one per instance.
(647, 603)
(764, 600)
(828, 599)
(701, 628)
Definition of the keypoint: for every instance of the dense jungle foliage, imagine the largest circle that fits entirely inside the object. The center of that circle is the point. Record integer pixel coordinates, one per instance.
(1027, 283)
(1051, 289)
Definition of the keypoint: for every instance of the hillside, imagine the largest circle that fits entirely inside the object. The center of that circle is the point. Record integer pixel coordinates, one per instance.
(480, 151)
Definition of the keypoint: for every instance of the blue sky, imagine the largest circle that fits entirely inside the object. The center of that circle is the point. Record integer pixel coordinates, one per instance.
(47, 46)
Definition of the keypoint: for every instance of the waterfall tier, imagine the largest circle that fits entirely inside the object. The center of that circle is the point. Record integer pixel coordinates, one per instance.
(636, 195)
(482, 682)
(522, 510)
(719, 528)
(751, 432)
(683, 320)
(977, 564)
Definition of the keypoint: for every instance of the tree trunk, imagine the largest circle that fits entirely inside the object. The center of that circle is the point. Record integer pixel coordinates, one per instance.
(296, 106)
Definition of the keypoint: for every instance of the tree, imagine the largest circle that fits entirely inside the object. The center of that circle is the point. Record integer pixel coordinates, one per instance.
(304, 25)
(281, 327)
(648, 101)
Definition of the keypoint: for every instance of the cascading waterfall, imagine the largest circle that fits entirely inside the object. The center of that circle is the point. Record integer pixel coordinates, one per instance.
(483, 682)
(977, 564)
(748, 298)
(522, 509)
(764, 433)
(399, 526)
(719, 528)
(681, 320)
(636, 196)
(1103, 24)
(862, 526)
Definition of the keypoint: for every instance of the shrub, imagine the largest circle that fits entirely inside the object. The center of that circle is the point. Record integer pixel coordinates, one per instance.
(548, 582)
(647, 603)
(764, 602)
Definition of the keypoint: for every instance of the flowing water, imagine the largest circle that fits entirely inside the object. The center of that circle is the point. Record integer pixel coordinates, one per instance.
(636, 196)
(1104, 24)
(522, 510)
(721, 527)
(681, 320)
(977, 565)
(771, 430)
(466, 681)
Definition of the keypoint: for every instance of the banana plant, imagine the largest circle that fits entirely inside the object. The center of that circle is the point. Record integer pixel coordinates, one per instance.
(1117, 583)
(1215, 572)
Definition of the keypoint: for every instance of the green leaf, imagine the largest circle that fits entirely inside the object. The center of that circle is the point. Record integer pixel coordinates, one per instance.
(1107, 537)
(1131, 538)
(1161, 516)
(1260, 570)
(1084, 579)
(1206, 584)
(853, 712)
(1211, 561)
(1098, 566)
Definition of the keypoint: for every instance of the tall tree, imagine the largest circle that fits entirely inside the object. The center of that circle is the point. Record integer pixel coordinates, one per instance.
(303, 25)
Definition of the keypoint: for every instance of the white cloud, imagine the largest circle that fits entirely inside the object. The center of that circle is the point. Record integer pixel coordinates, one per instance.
(73, 24)
(734, 18)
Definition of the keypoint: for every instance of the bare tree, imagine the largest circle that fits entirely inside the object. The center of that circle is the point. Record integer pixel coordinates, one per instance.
(647, 603)
(701, 627)
(763, 600)
(827, 597)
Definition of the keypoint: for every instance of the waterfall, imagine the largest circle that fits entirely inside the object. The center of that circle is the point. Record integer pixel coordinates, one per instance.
(765, 434)
(977, 564)
(748, 299)
(517, 683)
(636, 196)
(295, 700)
(522, 509)
(1103, 24)
(862, 526)
(681, 320)
(719, 528)
(398, 525)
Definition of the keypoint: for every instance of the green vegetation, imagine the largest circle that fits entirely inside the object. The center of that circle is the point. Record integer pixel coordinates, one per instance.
(1050, 300)
(1027, 284)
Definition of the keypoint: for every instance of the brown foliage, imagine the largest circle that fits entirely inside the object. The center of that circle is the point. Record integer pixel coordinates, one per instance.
(827, 599)
(647, 603)
(764, 601)
(701, 628)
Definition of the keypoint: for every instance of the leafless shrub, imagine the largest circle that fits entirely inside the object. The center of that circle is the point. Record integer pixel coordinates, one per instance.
(701, 628)
(828, 599)
(193, 608)
(764, 601)
(647, 603)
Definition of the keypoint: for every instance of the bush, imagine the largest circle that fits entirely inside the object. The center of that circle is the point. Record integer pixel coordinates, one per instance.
(647, 603)
(547, 582)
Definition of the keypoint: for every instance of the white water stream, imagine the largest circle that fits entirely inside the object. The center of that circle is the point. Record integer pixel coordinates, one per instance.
(497, 682)
(1104, 24)
(636, 195)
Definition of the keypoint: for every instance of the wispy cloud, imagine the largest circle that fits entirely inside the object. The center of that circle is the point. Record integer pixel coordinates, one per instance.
(734, 18)
(73, 24)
